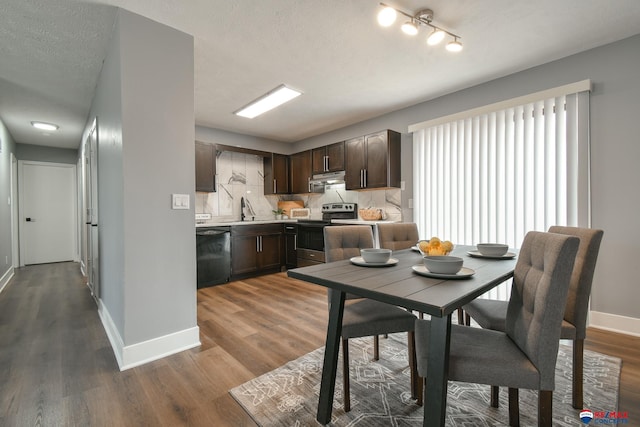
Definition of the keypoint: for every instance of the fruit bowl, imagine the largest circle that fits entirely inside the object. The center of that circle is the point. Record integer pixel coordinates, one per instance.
(434, 246)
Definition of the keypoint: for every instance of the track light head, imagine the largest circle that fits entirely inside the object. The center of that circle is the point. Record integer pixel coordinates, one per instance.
(410, 28)
(423, 17)
(387, 16)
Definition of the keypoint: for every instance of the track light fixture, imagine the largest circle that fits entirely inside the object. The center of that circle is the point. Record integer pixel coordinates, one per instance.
(387, 16)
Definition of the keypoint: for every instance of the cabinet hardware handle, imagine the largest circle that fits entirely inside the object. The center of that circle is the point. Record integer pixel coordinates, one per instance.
(365, 178)
(274, 186)
(257, 244)
(260, 243)
(295, 242)
(309, 183)
(326, 163)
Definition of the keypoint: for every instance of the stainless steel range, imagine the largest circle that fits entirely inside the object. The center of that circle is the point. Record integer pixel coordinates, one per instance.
(310, 248)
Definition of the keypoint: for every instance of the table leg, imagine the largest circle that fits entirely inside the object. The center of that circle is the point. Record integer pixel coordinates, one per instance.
(329, 368)
(435, 403)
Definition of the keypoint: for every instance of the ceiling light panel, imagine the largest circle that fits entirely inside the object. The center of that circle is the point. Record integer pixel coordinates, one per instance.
(269, 101)
(44, 126)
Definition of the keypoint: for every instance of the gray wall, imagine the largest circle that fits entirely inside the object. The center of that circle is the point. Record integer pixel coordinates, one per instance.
(217, 136)
(615, 102)
(144, 104)
(39, 153)
(7, 146)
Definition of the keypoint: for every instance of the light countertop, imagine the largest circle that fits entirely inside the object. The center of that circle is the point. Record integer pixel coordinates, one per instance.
(249, 222)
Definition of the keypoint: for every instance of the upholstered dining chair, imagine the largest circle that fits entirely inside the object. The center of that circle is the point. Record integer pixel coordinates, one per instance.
(398, 235)
(366, 317)
(491, 314)
(524, 356)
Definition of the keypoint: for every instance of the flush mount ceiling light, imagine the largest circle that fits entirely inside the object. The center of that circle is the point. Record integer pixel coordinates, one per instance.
(44, 126)
(424, 17)
(268, 101)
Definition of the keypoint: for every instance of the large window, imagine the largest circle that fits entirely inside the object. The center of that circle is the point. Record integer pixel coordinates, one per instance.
(494, 173)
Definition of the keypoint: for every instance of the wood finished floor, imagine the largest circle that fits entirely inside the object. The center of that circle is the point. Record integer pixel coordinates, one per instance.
(57, 367)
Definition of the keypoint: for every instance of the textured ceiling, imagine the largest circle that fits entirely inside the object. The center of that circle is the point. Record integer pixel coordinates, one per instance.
(349, 68)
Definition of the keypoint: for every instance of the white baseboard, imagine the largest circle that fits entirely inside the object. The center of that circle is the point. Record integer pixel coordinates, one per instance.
(615, 323)
(6, 277)
(147, 351)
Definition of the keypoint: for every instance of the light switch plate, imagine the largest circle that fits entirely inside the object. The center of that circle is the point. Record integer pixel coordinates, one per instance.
(179, 201)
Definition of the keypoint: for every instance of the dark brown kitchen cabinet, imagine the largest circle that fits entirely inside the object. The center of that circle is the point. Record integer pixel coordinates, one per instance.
(291, 245)
(205, 167)
(255, 249)
(276, 174)
(329, 158)
(373, 161)
(300, 172)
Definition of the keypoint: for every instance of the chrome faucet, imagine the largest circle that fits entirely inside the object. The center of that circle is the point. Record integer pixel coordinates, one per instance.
(242, 208)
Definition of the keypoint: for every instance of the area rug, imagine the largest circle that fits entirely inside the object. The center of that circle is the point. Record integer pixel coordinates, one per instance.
(380, 391)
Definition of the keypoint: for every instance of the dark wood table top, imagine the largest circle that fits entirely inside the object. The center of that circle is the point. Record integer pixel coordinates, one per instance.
(400, 285)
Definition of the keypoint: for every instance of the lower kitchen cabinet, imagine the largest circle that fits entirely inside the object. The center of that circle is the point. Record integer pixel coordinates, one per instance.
(291, 245)
(255, 249)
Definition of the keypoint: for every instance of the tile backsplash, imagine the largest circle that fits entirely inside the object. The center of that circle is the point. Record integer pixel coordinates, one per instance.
(242, 175)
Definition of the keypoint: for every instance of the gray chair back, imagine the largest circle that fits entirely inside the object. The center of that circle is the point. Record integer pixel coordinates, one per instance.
(541, 277)
(397, 236)
(345, 241)
(580, 287)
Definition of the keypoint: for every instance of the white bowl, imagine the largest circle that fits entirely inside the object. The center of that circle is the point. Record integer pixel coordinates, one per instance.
(492, 249)
(443, 264)
(375, 255)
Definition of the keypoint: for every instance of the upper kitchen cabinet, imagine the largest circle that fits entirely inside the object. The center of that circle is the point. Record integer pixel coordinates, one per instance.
(205, 167)
(373, 161)
(329, 158)
(276, 174)
(300, 172)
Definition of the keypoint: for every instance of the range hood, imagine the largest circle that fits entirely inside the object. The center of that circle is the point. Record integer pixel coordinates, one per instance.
(328, 178)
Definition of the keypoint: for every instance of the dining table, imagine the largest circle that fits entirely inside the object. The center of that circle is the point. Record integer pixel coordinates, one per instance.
(404, 282)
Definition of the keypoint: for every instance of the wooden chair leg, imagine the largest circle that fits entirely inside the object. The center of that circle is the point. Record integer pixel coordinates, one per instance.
(460, 316)
(578, 379)
(545, 400)
(495, 396)
(420, 390)
(346, 396)
(376, 347)
(413, 368)
(467, 319)
(514, 408)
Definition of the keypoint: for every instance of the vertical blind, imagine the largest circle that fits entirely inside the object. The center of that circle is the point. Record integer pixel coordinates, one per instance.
(493, 174)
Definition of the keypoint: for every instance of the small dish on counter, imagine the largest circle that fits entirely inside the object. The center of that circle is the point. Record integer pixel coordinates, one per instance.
(464, 273)
(358, 260)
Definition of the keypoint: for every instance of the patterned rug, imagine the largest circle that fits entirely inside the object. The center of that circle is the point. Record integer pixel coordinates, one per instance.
(380, 391)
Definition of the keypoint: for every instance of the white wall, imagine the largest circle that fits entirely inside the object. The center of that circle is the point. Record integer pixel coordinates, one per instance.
(615, 102)
(7, 146)
(144, 108)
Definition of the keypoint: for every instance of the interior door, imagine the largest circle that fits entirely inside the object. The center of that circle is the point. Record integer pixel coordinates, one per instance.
(48, 212)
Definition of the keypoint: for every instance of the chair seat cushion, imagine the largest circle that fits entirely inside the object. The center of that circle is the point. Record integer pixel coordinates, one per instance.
(480, 356)
(488, 313)
(368, 317)
(492, 314)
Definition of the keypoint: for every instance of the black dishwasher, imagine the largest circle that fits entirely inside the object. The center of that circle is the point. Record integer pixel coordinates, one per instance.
(213, 251)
